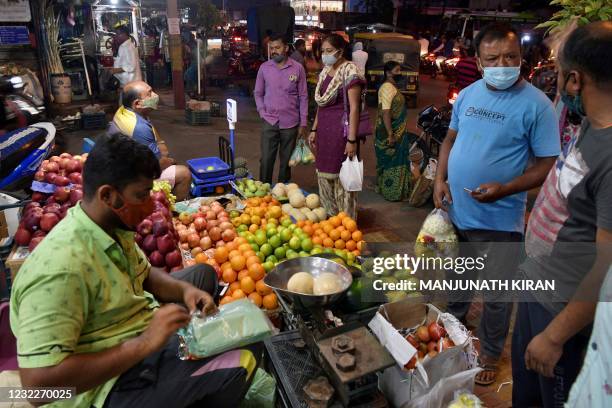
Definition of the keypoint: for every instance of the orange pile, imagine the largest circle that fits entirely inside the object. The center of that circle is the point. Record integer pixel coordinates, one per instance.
(259, 212)
(242, 270)
(339, 231)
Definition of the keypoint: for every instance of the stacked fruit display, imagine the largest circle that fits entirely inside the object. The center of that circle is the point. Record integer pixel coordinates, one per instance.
(157, 236)
(428, 341)
(63, 173)
(339, 232)
(299, 207)
(208, 228)
(243, 271)
(252, 188)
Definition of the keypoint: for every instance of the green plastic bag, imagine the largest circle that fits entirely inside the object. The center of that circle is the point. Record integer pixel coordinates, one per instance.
(262, 393)
(237, 324)
(301, 154)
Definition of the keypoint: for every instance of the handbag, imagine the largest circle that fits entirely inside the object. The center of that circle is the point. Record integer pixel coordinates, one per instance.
(365, 127)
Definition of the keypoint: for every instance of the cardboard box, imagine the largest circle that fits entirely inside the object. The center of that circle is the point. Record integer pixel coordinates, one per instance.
(15, 259)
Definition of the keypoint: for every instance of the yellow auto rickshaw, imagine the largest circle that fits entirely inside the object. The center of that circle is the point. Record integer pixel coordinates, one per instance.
(384, 47)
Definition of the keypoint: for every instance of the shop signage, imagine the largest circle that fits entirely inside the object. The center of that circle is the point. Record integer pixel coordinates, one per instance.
(14, 35)
(15, 10)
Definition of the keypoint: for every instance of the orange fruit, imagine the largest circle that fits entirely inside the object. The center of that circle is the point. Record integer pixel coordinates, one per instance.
(244, 247)
(238, 262)
(351, 225)
(334, 234)
(356, 252)
(328, 243)
(229, 276)
(359, 245)
(251, 259)
(318, 231)
(247, 284)
(233, 286)
(256, 271)
(273, 221)
(308, 230)
(231, 246)
(345, 235)
(342, 215)
(238, 294)
(317, 241)
(328, 228)
(225, 300)
(242, 274)
(308, 222)
(221, 254)
(262, 288)
(275, 212)
(253, 228)
(357, 236)
(234, 253)
(226, 265)
(335, 221)
(256, 299)
(248, 254)
(270, 302)
(240, 240)
(340, 244)
(300, 224)
(351, 245)
(201, 258)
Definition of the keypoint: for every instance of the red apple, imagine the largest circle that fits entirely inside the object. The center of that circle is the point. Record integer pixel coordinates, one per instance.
(48, 221)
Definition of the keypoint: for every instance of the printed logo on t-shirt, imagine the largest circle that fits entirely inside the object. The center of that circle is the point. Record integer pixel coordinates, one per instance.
(485, 114)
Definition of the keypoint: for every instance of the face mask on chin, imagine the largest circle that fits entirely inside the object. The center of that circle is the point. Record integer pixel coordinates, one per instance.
(151, 102)
(574, 103)
(132, 214)
(501, 77)
(278, 58)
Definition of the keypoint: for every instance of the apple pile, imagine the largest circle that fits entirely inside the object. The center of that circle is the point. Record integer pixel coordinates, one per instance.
(61, 170)
(156, 236)
(429, 341)
(208, 228)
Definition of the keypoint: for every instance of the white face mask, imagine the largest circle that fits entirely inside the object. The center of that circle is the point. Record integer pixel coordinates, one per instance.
(501, 77)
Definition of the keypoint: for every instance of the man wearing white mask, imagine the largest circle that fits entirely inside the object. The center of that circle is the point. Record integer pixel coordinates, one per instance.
(497, 124)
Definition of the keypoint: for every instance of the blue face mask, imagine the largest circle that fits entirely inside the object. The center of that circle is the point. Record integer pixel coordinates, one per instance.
(501, 77)
(329, 59)
(573, 103)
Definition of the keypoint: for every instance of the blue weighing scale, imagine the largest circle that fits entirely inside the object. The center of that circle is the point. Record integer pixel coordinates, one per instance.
(210, 172)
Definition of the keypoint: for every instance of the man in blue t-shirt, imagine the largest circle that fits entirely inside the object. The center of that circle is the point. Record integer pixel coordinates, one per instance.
(498, 124)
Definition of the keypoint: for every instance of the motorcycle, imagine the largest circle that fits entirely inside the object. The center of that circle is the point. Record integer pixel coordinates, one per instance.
(448, 68)
(241, 64)
(21, 153)
(428, 65)
(434, 124)
(24, 107)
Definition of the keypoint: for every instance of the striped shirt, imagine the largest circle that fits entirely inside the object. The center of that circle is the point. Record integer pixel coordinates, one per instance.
(467, 72)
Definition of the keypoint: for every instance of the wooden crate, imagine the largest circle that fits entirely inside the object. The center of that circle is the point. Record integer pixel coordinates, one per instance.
(15, 259)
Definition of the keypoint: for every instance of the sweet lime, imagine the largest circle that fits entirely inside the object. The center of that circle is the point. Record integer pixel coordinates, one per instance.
(260, 238)
(285, 235)
(280, 253)
(291, 254)
(275, 241)
(295, 243)
(268, 266)
(255, 247)
(286, 222)
(266, 249)
(307, 244)
(272, 259)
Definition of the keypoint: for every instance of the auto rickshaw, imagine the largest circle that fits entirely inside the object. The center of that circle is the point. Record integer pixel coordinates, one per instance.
(384, 47)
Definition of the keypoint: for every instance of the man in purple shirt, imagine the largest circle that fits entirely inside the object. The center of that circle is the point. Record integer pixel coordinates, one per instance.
(282, 102)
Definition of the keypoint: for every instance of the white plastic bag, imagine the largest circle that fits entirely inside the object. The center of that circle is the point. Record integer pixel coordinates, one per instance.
(351, 174)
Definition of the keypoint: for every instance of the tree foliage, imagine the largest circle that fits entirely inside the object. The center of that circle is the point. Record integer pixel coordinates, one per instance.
(585, 11)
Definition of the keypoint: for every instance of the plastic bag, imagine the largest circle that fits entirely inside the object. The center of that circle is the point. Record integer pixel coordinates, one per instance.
(437, 236)
(441, 394)
(237, 324)
(262, 393)
(465, 399)
(351, 174)
(301, 154)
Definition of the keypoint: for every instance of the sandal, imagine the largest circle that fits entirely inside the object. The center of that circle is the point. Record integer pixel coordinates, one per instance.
(490, 367)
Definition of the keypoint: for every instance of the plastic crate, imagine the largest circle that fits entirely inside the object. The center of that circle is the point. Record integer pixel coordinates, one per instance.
(94, 120)
(200, 188)
(207, 168)
(197, 117)
(215, 109)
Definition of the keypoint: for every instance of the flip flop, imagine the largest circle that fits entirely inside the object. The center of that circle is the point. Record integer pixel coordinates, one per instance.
(487, 368)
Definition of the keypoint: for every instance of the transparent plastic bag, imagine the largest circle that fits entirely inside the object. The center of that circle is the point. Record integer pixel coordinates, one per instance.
(301, 154)
(262, 393)
(351, 174)
(437, 236)
(237, 324)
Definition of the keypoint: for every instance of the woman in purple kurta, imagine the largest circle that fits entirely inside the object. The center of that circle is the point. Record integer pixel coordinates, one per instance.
(328, 135)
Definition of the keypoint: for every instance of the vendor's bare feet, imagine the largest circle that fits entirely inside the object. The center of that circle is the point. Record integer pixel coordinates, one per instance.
(489, 366)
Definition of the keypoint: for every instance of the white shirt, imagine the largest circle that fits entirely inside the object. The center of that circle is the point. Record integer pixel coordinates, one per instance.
(424, 45)
(360, 58)
(128, 60)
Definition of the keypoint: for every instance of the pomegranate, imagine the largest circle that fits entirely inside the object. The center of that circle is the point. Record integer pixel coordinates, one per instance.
(205, 243)
(228, 235)
(185, 246)
(226, 225)
(193, 240)
(195, 251)
(215, 234)
(183, 235)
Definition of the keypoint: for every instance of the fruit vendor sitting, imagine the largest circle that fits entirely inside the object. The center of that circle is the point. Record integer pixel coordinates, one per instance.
(85, 305)
(132, 119)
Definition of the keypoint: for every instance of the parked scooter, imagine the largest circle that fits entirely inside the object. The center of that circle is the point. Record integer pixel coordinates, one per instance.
(21, 153)
(26, 108)
(434, 124)
(428, 65)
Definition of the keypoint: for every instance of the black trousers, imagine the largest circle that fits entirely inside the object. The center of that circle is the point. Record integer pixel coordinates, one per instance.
(162, 380)
(276, 140)
(530, 389)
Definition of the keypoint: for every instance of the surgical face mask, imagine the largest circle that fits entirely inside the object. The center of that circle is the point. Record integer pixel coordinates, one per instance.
(151, 102)
(501, 77)
(573, 103)
(278, 58)
(329, 59)
(132, 214)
